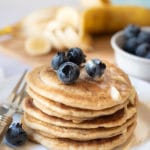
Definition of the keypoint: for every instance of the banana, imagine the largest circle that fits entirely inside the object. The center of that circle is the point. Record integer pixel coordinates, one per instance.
(40, 16)
(68, 16)
(89, 3)
(37, 45)
(105, 2)
(54, 25)
(49, 18)
(34, 23)
(72, 37)
(61, 35)
(49, 32)
(92, 3)
(51, 28)
(62, 38)
(34, 30)
(54, 41)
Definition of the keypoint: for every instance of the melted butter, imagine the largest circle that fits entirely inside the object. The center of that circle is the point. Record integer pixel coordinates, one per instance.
(115, 94)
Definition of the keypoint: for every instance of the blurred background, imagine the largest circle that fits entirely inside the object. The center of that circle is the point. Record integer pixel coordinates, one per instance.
(13, 10)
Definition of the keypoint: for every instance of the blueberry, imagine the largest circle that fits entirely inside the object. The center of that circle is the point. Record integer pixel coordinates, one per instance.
(131, 31)
(130, 45)
(148, 55)
(76, 55)
(16, 135)
(58, 59)
(143, 37)
(95, 68)
(68, 72)
(142, 50)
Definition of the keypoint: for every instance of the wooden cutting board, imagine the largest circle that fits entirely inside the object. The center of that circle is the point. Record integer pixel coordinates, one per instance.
(14, 47)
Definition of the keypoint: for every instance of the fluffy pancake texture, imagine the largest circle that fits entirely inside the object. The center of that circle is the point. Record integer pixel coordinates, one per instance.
(85, 93)
(113, 120)
(76, 134)
(68, 144)
(71, 111)
(90, 114)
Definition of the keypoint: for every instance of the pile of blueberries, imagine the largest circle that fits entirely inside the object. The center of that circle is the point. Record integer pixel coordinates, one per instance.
(137, 42)
(67, 65)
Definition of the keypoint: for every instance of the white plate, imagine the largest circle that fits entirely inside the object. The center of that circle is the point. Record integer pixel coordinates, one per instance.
(141, 138)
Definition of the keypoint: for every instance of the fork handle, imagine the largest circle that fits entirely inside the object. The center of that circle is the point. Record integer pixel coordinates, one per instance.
(5, 122)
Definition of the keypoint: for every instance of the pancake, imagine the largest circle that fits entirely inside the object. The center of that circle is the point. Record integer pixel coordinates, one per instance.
(5, 147)
(48, 111)
(59, 115)
(67, 144)
(75, 134)
(116, 119)
(90, 114)
(42, 102)
(86, 93)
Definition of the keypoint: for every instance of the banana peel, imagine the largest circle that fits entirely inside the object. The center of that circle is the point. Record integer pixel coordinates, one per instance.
(109, 18)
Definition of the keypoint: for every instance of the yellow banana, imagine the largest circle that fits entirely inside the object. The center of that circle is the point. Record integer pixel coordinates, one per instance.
(37, 45)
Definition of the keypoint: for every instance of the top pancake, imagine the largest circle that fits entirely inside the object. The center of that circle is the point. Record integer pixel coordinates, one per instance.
(85, 93)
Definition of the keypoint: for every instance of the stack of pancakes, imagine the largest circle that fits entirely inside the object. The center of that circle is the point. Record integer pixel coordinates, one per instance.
(90, 114)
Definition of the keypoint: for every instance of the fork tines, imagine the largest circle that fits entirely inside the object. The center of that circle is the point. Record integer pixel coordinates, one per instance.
(15, 92)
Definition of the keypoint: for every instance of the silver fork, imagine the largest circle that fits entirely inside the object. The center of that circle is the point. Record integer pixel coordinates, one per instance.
(14, 103)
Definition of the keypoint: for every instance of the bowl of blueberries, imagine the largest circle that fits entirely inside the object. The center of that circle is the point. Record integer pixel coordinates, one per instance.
(132, 51)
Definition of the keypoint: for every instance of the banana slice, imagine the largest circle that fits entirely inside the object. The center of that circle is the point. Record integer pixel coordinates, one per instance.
(34, 30)
(68, 15)
(51, 33)
(36, 22)
(54, 40)
(54, 25)
(89, 3)
(72, 37)
(40, 16)
(93, 3)
(62, 38)
(37, 45)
